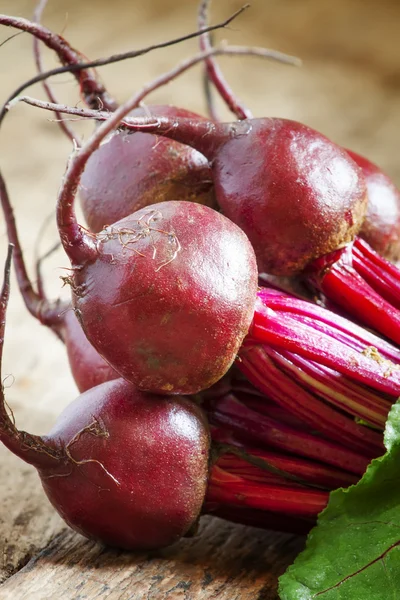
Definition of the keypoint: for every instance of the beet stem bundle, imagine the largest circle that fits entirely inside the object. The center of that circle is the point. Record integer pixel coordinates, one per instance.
(362, 283)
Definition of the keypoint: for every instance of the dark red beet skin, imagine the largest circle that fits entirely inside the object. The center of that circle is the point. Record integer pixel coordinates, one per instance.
(168, 302)
(300, 195)
(381, 227)
(88, 368)
(150, 486)
(131, 171)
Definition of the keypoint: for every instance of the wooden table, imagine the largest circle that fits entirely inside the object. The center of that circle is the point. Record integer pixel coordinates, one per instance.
(348, 88)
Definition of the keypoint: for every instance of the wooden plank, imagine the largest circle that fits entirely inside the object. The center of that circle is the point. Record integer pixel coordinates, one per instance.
(224, 562)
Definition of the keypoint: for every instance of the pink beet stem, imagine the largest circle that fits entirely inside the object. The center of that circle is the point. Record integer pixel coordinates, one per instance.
(338, 326)
(259, 429)
(257, 365)
(337, 277)
(92, 90)
(260, 518)
(359, 401)
(309, 471)
(383, 280)
(285, 333)
(64, 125)
(214, 73)
(224, 488)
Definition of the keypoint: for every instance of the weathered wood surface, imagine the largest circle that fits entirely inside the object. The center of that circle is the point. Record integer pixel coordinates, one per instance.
(222, 562)
(348, 88)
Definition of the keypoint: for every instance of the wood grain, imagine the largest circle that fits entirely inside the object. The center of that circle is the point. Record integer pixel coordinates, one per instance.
(348, 88)
(222, 562)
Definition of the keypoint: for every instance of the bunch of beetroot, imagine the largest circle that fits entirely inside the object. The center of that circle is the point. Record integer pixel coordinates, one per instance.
(203, 392)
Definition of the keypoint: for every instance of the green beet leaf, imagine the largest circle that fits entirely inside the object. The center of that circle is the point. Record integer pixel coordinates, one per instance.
(354, 551)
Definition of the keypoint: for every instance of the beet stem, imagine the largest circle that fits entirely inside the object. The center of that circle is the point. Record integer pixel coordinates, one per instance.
(64, 125)
(339, 279)
(91, 89)
(261, 429)
(258, 365)
(214, 73)
(37, 305)
(225, 488)
(31, 448)
(83, 66)
(283, 332)
(206, 137)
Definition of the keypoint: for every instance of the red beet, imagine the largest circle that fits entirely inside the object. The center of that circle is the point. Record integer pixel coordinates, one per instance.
(381, 227)
(124, 467)
(139, 461)
(166, 295)
(88, 368)
(129, 172)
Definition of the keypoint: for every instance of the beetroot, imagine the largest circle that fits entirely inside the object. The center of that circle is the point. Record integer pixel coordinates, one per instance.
(381, 227)
(88, 368)
(129, 172)
(166, 295)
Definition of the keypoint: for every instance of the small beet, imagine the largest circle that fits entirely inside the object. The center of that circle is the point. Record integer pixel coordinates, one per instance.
(131, 171)
(381, 227)
(294, 192)
(133, 467)
(88, 368)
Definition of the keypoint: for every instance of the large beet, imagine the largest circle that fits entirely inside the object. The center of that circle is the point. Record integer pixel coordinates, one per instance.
(167, 295)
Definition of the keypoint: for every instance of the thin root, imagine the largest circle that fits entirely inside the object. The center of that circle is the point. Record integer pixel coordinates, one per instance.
(96, 429)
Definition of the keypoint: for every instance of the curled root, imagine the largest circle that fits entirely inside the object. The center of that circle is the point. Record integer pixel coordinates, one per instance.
(128, 237)
(96, 429)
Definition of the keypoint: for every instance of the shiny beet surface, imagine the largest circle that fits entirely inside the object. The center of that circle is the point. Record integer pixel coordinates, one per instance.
(169, 296)
(134, 468)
